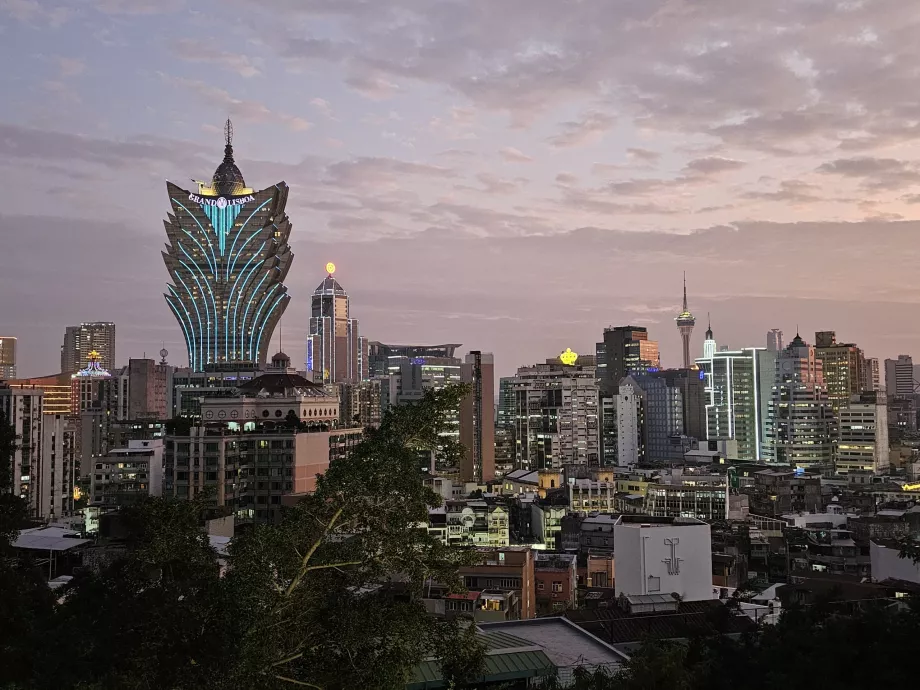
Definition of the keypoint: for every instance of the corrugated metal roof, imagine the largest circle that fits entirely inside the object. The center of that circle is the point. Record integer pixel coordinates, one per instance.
(502, 640)
(498, 667)
(48, 539)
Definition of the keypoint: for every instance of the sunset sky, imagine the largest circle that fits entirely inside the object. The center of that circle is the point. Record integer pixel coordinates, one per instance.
(513, 175)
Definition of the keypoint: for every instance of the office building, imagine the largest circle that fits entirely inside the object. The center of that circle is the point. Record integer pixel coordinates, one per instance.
(554, 417)
(625, 350)
(734, 395)
(477, 418)
(801, 419)
(704, 502)
(899, 377)
(57, 390)
(862, 435)
(7, 358)
(21, 408)
(844, 367)
(380, 357)
(663, 556)
(227, 257)
(775, 340)
(685, 323)
(79, 341)
(335, 351)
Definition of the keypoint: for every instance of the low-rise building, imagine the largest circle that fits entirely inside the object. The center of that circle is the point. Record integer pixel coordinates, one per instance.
(509, 568)
(556, 580)
(124, 475)
(470, 522)
(679, 500)
(588, 495)
(663, 556)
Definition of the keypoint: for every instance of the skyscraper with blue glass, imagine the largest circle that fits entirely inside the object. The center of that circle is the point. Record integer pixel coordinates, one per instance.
(227, 256)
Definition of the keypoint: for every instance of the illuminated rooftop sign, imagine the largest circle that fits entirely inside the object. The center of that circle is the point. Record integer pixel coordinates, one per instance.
(568, 357)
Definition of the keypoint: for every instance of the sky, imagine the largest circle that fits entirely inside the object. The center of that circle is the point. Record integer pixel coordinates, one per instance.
(513, 175)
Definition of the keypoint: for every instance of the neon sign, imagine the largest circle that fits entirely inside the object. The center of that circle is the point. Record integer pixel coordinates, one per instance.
(221, 201)
(568, 357)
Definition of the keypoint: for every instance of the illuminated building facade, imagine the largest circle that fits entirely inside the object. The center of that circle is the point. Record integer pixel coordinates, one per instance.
(21, 408)
(801, 420)
(383, 359)
(336, 353)
(862, 435)
(735, 395)
(845, 371)
(227, 256)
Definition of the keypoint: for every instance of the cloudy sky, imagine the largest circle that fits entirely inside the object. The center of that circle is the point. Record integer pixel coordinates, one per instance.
(514, 175)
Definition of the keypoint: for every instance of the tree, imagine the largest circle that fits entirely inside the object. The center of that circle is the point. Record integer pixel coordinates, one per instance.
(311, 602)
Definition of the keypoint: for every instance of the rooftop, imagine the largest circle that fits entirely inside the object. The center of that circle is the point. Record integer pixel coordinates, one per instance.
(49, 539)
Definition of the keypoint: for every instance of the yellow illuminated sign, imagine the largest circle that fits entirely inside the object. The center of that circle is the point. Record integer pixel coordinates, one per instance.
(330, 268)
(568, 357)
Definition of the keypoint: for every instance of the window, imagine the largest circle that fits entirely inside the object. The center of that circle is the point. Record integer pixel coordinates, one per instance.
(654, 583)
(557, 586)
(540, 586)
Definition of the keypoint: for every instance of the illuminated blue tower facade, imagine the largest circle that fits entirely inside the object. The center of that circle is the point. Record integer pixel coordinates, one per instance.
(227, 256)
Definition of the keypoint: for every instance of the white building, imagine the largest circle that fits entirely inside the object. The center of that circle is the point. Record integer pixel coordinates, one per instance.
(862, 435)
(58, 466)
(629, 405)
(22, 409)
(126, 474)
(663, 556)
(887, 564)
(899, 376)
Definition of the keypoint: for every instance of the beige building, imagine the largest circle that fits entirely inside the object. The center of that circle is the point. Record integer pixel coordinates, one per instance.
(7, 358)
(80, 341)
(477, 418)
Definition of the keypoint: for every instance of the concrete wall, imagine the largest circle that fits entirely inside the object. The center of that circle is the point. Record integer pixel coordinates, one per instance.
(886, 564)
(642, 552)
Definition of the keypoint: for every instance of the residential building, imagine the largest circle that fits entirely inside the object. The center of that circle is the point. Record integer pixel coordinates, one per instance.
(873, 376)
(148, 395)
(509, 568)
(359, 403)
(190, 388)
(57, 388)
(59, 463)
(335, 351)
(470, 522)
(125, 475)
(380, 355)
(779, 492)
(625, 350)
(477, 418)
(844, 367)
(554, 414)
(591, 496)
(899, 377)
(692, 386)
(800, 414)
(94, 405)
(663, 416)
(556, 579)
(7, 358)
(663, 555)
(862, 434)
(685, 323)
(546, 522)
(80, 341)
(227, 257)
(629, 404)
(735, 405)
(21, 408)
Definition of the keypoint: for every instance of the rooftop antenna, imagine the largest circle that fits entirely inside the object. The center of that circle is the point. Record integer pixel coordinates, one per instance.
(685, 291)
(228, 132)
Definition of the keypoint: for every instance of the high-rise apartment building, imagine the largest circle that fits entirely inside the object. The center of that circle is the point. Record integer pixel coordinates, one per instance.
(685, 323)
(735, 402)
(7, 358)
(663, 417)
(227, 256)
(335, 351)
(775, 340)
(874, 375)
(94, 406)
(862, 435)
(844, 366)
(629, 403)
(21, 408)
(360, 403)
(899, 377)
(148, 394)
(553, 414)
(801, 419)
(477, 418)
(79, 341)
(59, 433)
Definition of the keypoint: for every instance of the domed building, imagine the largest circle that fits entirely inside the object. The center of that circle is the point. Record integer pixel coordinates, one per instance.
(336, 353)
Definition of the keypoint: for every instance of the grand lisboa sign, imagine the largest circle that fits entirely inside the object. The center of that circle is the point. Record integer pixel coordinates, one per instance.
(221, 201)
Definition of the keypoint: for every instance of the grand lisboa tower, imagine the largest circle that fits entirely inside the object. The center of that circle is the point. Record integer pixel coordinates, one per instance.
(227, 256)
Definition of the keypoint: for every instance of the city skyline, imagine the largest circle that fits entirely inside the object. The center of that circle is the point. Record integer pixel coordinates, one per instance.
(622, 157)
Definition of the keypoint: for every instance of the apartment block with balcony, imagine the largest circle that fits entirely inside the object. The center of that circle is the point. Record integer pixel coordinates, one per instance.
(470, 522)
(125, 475)
(556, 580)
(503, 570)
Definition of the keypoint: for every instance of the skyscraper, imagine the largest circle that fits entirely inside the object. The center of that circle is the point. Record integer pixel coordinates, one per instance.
(334, 347)
(734, 395)
(775, 340)
(625, 350)
(477, 418)
(844, 365)
(801, 420)
(227, 256)
(381, 357)
(79, 341)
(7, 358)
(685, 324)
(862, 434)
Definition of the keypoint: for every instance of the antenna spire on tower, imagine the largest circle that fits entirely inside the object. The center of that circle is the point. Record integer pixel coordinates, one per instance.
(228, 132)
(685, 291)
